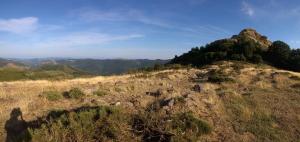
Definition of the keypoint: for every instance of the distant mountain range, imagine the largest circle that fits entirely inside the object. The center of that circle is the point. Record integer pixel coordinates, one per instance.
(87, 66)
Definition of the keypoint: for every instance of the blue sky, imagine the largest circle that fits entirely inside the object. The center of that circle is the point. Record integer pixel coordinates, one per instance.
(136, 28)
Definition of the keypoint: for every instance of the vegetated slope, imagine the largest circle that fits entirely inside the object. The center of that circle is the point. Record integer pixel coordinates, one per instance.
(248, 46)
(110, 66)
(98, 66)
(54, 72)
(226, 101)
(10, 63)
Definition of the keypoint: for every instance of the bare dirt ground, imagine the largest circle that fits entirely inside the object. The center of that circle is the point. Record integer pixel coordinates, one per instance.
(258, 104)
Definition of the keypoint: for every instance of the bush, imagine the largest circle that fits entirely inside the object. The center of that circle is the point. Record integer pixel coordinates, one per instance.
(218, 77)
(75, 93)
(279, 53)
(154, 126)
(294, 61)
(257, 59)
(295, 78)
(52, 95)
(100, 93)
(82, 124)
(238, 57)
(113, 124)
(186, 122)
(296, 86)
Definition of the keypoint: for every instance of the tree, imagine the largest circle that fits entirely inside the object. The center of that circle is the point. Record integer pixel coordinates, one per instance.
(294, 61)
(238, 57)
(256, 58)
(279, 53)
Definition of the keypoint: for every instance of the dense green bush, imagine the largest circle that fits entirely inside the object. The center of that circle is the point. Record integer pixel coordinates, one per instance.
(75, 93)
(279, 53)
(257, 59)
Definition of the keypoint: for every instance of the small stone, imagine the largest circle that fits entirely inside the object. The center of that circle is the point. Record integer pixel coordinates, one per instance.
(171, 102)
(129, 104)
(117, 103)
(197, 88)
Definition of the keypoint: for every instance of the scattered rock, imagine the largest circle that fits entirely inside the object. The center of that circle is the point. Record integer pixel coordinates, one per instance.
(117, 103)
(170, 90)
(197, 88)
(97, 102)
(128, 104)
(171, 102)
(167, 103)
(157, 93)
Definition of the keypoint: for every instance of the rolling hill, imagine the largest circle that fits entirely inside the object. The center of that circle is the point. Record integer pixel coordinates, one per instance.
(57, 69)
(96, 66)
(12, 72)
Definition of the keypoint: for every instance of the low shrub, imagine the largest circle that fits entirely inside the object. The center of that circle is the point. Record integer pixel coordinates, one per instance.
(75, 93)
(296, 86)
(52, 95)
(109, 123)
(100, 93)
(297, 78)
(155, 126)
(218, 77)
(186, 122)
(82, 124)
(180, 99)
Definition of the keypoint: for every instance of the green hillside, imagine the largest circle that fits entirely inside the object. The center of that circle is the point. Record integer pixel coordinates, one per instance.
(248, 46)
(109, 66)
(52, 72)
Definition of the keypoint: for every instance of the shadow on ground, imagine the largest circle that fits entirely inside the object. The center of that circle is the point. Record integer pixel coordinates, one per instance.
(16, 127)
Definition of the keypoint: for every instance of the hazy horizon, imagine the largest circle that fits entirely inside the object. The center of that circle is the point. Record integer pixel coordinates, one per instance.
(132, 29)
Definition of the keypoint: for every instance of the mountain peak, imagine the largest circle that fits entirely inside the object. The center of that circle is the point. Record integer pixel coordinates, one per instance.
(248, 30)
(252, 34)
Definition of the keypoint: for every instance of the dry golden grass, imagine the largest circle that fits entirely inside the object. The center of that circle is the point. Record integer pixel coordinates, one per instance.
(230, 107)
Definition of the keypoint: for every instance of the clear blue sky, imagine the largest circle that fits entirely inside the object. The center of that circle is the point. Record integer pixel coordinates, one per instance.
(136, 28)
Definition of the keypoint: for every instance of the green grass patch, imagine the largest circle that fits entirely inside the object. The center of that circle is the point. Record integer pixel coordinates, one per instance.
(184, 122)
(100, 93)
(52, 95)
(261, 126)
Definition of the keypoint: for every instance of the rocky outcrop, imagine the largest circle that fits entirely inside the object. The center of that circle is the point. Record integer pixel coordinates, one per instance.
(251, 34)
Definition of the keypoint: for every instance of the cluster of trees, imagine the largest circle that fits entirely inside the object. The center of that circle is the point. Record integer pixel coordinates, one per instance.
(279, 54)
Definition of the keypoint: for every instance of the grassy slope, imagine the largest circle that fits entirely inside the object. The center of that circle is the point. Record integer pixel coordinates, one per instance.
(109, 67)
(54, 72)
(240, 102)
